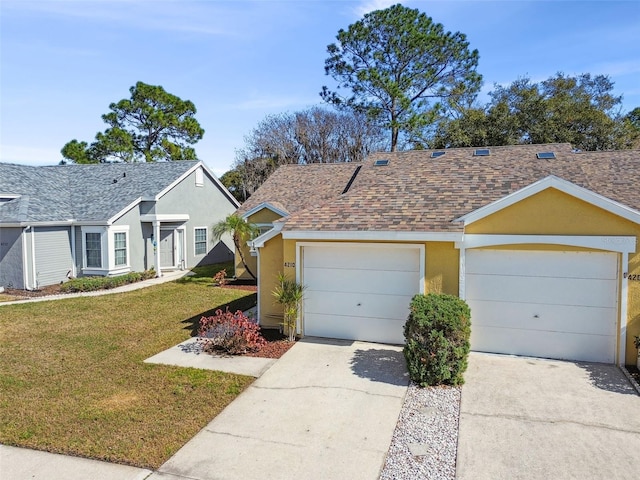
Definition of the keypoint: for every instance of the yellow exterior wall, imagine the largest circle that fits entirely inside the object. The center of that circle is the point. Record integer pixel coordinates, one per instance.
(552, 212)
(260, 217)
(270, 265)
(442, 267)
(264, 216)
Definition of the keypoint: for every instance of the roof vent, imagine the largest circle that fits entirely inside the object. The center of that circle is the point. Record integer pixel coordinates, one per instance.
(437, 154)
(546, 155)
(481, 152)
(381, 163)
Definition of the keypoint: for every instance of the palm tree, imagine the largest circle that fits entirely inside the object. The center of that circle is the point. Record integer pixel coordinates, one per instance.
(289, 294)
(240, 230)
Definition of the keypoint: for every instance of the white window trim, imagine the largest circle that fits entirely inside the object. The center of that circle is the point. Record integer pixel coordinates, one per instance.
(111, 245)
(199, 177)
(93, 270)
(107, 246)
(206, 240)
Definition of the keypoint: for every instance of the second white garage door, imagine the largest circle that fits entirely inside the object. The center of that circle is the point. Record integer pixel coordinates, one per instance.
(546, 304)
(359, 292)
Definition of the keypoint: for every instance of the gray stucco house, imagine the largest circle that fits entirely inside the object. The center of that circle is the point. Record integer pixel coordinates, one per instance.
(67, 221)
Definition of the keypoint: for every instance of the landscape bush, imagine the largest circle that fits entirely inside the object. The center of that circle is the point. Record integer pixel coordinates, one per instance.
(437, 339)
(231, 333)
(90, 284)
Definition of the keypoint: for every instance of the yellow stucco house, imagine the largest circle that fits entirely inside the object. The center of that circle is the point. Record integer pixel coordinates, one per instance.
(541, 241)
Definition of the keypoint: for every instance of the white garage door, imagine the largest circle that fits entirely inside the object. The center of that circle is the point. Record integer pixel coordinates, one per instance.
(359, 292)
(545, 304)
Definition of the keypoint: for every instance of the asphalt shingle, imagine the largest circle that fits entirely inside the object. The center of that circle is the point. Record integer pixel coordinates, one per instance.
(415, 192)
(80, 192)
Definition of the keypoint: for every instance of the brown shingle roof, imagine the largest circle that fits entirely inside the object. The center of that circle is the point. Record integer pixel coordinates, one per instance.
(296, 187)
(418, 193)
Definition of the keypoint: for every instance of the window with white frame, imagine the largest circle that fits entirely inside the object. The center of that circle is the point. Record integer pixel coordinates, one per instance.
(200, 240)
(199, 178)
(120, 248)
(93, 249)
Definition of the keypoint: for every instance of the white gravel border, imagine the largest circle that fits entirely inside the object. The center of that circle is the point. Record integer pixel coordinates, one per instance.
(425, 440)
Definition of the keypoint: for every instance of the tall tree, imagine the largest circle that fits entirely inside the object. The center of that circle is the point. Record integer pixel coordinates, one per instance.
(580, 110)
(150, 126)
(315, 135)
(397, 65)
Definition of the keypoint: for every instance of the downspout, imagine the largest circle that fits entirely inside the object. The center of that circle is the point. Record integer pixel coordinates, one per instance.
(624, 309)
(33, 258)
(25, 264)
(156, 247)
(258, 283)
(74, 272)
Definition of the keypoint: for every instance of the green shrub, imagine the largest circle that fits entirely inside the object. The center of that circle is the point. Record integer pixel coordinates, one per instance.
(90, 284)
(437, 339)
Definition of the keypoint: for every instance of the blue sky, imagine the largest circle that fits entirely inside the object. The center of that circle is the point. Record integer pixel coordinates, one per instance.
(63, 62)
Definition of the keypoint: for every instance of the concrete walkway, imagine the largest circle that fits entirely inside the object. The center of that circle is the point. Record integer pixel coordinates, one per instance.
(190, 354)
(525, 418)
(166, 277)
(326, 410)
(25, 464)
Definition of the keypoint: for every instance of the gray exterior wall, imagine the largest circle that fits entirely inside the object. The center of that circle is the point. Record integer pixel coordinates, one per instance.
(53, 260)
(11, 269)
(206, 206)
(137, 242)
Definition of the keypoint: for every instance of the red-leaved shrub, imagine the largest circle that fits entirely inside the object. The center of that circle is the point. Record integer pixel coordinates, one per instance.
(231, 333)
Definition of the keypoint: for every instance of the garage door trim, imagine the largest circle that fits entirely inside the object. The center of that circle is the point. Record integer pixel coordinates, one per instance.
(356, 245)
(610, 243)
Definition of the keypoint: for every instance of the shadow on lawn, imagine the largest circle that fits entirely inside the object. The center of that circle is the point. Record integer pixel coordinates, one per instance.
(242, 304)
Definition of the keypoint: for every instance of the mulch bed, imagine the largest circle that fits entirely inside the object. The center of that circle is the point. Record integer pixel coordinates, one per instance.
(634, 372)
(277, 344)
(248, 285)
(41, 292)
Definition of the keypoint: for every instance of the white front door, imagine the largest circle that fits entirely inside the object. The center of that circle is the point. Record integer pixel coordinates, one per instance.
(551, 304)
(359, 292)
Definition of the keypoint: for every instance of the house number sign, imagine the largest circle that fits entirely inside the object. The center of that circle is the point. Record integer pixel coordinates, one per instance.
(290, 264)
(632, 277)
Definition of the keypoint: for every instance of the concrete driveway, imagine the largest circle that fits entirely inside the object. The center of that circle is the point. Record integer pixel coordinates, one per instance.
(525, 418)
(326, 410)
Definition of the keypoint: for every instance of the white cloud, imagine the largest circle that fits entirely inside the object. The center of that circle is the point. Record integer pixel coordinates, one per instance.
(371, 5)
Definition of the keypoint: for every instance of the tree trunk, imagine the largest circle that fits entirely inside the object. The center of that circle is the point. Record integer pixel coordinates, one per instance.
(243, 261)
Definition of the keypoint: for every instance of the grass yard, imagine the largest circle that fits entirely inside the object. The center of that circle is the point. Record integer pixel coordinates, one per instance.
(73, 381)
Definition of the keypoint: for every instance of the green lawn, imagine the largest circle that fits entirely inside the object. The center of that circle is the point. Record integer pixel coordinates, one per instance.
(72, 377)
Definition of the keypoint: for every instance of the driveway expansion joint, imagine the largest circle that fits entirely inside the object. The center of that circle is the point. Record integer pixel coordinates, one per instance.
(323, 387)
(247, 437)
(552, 422)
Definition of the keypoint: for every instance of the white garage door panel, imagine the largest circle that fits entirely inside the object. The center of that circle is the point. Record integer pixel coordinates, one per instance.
(369, 329)
(546, 304)
(549, 317)
(362, 258)
(359, 281)
(359, 292)
(358, 305)
(547, 290)
(563, 346)
(544, 264)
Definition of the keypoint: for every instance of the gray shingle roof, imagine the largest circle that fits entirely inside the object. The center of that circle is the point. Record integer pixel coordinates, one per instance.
(80, 192)
(415, 192)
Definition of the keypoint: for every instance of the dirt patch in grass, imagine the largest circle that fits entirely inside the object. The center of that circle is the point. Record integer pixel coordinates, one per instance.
(73, 380)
